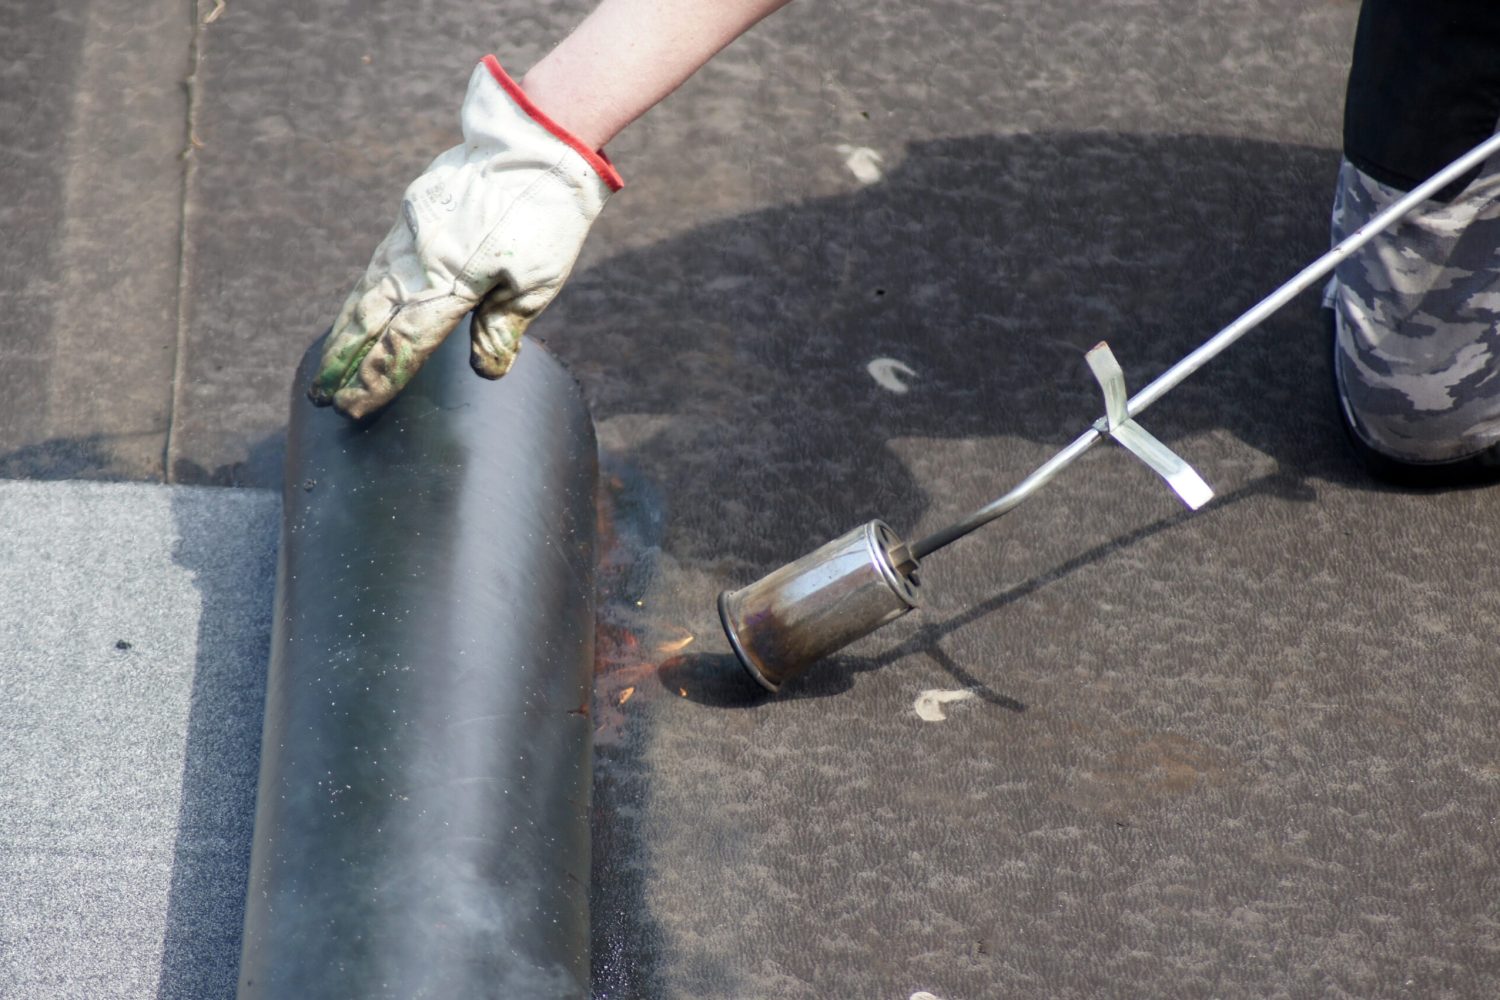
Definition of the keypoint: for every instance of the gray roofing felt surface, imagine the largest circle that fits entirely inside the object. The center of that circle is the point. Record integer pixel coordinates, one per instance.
(134, 626)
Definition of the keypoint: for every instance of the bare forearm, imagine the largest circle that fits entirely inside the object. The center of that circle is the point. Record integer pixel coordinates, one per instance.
(629, 54)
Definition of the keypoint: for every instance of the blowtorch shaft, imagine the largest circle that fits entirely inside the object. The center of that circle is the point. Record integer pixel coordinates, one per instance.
(1210, 348)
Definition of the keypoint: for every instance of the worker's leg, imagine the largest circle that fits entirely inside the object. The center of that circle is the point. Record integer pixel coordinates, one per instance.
(1417, 310)
(1417, 327)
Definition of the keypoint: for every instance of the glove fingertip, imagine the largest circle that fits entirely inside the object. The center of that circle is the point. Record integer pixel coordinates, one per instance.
(357, 404)
(490, 365)
(494, 339)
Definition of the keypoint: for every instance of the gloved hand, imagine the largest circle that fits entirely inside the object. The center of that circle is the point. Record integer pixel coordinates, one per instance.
(493, 225)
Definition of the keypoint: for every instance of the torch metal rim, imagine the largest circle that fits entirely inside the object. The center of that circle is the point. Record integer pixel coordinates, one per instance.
(881, 540)
(740, 653)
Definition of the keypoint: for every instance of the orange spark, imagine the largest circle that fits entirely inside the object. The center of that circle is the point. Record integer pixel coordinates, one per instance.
(625, 695)
(674, 645)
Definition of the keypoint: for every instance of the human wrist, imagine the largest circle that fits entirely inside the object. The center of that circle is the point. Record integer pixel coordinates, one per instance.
(582, 111)
(545, 115)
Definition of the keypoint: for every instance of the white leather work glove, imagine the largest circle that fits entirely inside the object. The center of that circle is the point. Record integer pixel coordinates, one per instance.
(493, 225)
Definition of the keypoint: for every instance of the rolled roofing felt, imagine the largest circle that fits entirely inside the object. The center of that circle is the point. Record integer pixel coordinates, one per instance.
(421, 827)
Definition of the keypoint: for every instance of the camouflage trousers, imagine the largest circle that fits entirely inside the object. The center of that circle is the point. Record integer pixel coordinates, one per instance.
(1417, 320)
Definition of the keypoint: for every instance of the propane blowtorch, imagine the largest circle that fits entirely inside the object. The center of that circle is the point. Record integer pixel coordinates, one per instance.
(787, 620)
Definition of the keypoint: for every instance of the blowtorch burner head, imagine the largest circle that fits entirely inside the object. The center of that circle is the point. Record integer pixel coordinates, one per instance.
(792, 617)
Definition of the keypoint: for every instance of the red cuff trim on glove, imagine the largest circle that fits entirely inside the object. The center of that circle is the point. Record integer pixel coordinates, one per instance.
(595, 158)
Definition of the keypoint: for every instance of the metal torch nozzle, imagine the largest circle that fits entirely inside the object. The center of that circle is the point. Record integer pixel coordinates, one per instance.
(805, 610)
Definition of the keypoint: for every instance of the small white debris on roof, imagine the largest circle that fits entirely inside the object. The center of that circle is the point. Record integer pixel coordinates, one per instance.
(887, 374)
(929, 704)
(862, 161)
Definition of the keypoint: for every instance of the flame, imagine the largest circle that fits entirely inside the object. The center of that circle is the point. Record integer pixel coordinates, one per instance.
(625, 695)
(675, 645)
(682, 691)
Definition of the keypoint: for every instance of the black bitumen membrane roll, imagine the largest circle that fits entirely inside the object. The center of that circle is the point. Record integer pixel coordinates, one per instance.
(421, 827)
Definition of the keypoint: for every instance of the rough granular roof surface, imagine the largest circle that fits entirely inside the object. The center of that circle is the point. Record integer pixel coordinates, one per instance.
(1248, 752)
(134, 628)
